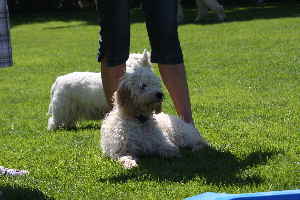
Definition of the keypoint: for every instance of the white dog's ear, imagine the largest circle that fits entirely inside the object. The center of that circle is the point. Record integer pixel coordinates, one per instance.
(146, 58)
(123, 98)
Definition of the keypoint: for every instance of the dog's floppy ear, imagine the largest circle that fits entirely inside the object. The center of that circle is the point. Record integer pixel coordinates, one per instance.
(122, 95)
(123, 99)
(146, 58)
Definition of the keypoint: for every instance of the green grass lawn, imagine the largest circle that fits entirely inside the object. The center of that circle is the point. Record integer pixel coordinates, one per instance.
(244, 78)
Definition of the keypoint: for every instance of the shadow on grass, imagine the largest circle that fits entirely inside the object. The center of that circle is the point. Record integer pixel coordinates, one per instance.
(271, 10)
(85, 126)
(216, 167)
(65, 27)
(93, 126)
(82, 126)
(17, 193)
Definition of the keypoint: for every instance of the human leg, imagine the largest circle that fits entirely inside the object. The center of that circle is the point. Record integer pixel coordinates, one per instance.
(178, 89)
(110, 79)
(161, 19)
(114, 43)
(161, 22)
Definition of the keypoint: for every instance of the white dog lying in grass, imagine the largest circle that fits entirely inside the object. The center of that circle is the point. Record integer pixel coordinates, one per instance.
(80, 96)
(203, 6)
(132, 129)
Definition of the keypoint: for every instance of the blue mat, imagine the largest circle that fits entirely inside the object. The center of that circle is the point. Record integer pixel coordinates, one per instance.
(274, 195)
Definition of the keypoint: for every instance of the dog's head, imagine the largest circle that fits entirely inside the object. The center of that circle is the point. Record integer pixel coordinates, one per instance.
(139, 93)
(136, 60)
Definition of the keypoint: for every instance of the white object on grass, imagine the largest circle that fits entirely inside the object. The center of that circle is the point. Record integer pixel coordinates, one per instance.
(12, 172)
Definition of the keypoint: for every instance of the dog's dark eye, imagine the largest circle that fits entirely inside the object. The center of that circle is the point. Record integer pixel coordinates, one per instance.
(143, 86)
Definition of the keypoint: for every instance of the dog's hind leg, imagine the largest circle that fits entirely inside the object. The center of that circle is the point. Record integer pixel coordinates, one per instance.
(62, 116)
(51, 124)
(202, 10)
(215, 7)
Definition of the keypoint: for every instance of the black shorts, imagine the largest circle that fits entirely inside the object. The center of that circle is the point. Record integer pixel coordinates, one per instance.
(161, 23)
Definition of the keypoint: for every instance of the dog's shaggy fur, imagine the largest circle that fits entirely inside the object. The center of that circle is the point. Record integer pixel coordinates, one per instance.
(80, 96)
(132, 129)
(203, 7)
(76, 96)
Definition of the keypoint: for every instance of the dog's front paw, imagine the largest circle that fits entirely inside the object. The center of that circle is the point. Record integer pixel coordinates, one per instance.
(128, 162)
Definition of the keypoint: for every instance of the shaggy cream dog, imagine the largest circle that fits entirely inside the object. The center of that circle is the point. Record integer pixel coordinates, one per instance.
(132, 129)
(80, 96)
(203, 6)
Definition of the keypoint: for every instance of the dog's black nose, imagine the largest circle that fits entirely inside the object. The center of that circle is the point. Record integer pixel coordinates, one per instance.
(159, 95)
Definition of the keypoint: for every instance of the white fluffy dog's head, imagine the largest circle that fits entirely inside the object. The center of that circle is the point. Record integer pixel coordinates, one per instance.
(139, 93)
(137, 60)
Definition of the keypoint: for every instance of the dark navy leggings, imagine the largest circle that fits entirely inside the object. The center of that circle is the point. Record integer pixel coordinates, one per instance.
(161, 22)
